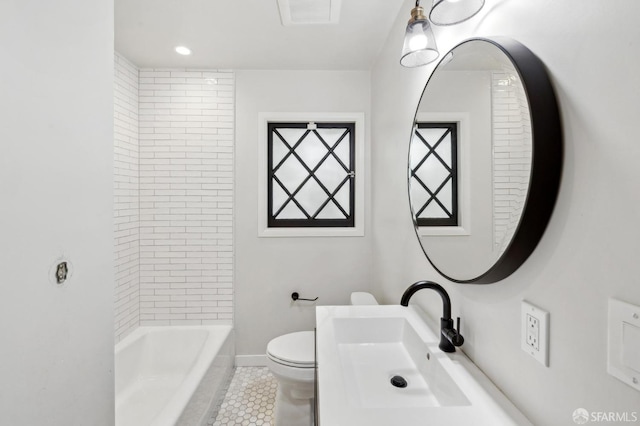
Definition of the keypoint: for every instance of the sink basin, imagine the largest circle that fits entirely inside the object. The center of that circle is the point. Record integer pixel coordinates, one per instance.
(360, 349)
(374, 350)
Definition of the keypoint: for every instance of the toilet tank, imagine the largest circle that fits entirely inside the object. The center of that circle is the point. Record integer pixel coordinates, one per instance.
(363, 298)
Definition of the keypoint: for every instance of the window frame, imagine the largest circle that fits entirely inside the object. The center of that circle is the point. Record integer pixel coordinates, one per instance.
(464, 173)
(311, 222)
(321, 230)
(452, 130)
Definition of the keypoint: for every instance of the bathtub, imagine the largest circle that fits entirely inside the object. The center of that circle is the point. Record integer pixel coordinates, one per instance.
(169, 376)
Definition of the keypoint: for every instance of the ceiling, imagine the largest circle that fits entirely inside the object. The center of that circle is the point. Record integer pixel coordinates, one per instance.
(248, 34)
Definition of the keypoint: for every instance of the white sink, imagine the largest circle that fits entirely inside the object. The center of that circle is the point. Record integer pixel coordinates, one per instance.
(360, 348)
(373, 350)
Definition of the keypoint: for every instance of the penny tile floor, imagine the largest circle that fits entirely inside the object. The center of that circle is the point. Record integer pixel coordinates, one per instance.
(249, 399)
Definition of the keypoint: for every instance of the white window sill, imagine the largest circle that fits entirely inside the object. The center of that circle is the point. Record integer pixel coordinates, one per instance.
(311, 232)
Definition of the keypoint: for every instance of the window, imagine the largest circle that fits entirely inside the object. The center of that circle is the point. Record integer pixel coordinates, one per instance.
(434, 173)
(311, 174)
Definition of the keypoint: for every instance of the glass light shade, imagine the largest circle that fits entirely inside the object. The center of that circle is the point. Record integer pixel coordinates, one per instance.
(419, 45)
(450, 12)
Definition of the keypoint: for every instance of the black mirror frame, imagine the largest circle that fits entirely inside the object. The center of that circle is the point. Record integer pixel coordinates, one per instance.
(546, 167)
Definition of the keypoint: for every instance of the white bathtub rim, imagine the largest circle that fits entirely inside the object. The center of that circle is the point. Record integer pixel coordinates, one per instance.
(218, 334)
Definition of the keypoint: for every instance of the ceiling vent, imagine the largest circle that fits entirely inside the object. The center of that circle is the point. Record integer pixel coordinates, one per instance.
(309, 12)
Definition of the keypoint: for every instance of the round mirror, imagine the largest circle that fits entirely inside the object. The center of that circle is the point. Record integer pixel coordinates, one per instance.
(485, 160)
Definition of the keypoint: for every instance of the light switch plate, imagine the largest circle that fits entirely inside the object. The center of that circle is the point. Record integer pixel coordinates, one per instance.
(535, 332)
(623, 360)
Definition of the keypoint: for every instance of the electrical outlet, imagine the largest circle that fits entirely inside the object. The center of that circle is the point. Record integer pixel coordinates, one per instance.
(535, 332)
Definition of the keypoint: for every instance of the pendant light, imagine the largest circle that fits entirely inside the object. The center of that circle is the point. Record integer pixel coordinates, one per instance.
(419, 46)
(451, 12)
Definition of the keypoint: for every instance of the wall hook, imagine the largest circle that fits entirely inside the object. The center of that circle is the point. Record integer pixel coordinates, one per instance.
(295, 296)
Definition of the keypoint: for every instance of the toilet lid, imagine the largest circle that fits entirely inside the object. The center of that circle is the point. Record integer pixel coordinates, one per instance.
(294, 349)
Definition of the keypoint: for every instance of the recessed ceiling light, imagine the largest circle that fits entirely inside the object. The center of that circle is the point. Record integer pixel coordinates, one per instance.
(183, 50)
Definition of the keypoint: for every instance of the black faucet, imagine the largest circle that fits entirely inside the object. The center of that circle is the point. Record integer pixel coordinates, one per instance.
(449, 336)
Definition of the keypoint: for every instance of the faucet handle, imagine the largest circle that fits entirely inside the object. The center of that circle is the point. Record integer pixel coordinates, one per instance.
(457, 339)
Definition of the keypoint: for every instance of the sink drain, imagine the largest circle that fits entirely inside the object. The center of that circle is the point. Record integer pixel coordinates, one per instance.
(399, 382)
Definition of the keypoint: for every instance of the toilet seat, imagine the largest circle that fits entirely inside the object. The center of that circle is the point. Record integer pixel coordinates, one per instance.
(293, 350)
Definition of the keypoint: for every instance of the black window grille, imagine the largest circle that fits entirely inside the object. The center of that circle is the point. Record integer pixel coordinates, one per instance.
(434, 174)
(311, 174)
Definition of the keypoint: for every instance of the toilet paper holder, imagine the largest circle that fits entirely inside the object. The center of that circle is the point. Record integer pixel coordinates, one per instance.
(296, 296)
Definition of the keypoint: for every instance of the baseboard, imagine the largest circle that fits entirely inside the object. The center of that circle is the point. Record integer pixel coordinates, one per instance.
(251, 360)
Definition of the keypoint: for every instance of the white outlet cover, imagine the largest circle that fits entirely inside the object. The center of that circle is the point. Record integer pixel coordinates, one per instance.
(542, 354)
(624, 342)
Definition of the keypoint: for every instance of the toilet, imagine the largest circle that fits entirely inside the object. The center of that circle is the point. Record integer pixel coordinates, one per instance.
(291, 359)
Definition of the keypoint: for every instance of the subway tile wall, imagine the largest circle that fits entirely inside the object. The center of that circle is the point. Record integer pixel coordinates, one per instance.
(186, 120)
(126, 197)
(512, 153)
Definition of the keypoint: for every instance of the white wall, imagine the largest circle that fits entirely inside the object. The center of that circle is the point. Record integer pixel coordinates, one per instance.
(56, 184)
(268, 270)
(126, 192)
(186, 196)
(589, 251)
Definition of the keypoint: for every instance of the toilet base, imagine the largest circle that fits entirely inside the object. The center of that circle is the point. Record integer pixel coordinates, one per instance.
(290, 410)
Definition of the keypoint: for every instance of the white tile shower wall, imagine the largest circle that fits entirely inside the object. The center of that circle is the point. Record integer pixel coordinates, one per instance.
(186, 196)
(512, 154)
(126, 197)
